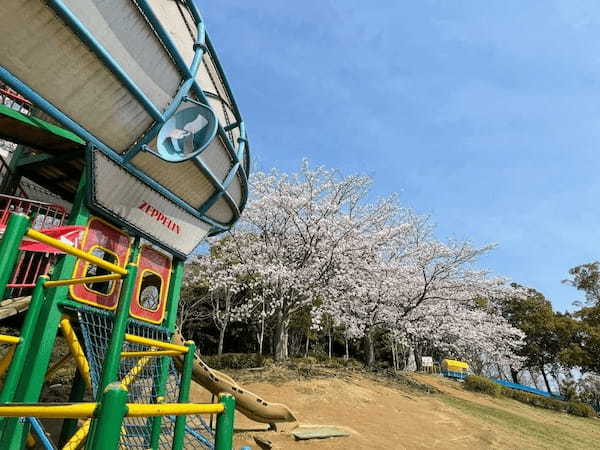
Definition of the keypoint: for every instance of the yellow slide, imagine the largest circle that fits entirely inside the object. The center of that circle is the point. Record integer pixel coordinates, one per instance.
(248, 403)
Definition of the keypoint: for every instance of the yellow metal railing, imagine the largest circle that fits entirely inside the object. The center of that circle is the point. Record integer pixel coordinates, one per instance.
(76, 350)
(86, 410)
(154, 343)
(6, 339)
(150, 353)
(69, 249)
(86, 280)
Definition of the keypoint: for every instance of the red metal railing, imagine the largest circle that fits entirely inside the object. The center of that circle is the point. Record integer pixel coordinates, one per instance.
(30, 265)
(13, 100)
(44, 215)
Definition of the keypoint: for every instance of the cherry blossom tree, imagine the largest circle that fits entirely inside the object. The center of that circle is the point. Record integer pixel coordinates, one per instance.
(214, 287)
(296, 231)
(409, 280)
(311, 241)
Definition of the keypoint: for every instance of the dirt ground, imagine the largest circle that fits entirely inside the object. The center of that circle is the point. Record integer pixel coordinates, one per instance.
(384, 415)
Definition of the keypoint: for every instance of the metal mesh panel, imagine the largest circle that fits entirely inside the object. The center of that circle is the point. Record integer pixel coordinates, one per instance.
(141, 376)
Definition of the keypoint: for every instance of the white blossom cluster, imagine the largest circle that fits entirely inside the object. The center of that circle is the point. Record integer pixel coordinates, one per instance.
(312, 239)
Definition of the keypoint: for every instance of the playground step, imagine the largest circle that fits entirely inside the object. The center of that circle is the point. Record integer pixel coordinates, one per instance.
(13, 306)
(306, 433)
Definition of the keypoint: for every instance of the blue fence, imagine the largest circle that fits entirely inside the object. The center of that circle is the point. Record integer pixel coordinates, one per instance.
(522, 387)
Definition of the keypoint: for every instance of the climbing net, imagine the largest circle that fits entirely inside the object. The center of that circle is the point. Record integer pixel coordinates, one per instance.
(148, 380)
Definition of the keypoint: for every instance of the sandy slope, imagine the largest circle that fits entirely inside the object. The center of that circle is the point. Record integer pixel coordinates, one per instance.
(383, 415)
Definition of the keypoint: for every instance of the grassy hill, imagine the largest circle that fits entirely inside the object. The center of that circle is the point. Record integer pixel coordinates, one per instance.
(384, 413)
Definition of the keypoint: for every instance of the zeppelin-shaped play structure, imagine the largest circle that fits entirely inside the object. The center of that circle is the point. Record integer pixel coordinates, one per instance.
(122, 150)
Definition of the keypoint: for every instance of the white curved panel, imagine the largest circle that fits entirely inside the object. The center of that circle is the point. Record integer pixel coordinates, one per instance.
(38, 48)
(235, 190)
(217, 159)
(220, 211)
(123, 31)
(179, 23)
(140, 206)
(184, 179)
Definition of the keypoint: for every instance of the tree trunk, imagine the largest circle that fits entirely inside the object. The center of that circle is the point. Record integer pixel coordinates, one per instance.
(417, 354)
(281, 337)
(533, 379)
(262, 330)
(514, 374)
(329, 339)
(501, 373)
(545, 379)
(221, 340)
(394, 355)
(307, 345)
(347, 355)
(370, 348)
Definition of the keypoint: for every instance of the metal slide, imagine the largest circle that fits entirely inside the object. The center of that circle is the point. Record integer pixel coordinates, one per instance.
(248, 403)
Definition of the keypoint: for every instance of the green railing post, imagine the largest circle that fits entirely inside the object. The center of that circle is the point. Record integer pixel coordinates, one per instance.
(16, 366)
(43, 334)
(184, 394)
(224, 430)
(165, 362)
(9, 247)
(109, 418)
(112, 358)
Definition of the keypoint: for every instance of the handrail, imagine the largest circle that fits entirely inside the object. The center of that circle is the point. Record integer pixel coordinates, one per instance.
(6, 339)
(154, 343)
(69, 249)
(155, 353)
(88, 409)
(85, 280)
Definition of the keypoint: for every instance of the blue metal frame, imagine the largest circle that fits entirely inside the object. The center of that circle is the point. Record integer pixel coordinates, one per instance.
(240, 158)
(522, 387)
(37, 428)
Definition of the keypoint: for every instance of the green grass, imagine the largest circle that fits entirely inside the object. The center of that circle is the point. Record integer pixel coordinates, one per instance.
(558, 431)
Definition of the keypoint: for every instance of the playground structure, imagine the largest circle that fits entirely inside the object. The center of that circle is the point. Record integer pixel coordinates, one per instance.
(121, 109)
(454, 369)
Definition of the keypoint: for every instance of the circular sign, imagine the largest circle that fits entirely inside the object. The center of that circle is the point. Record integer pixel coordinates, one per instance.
(186, 133)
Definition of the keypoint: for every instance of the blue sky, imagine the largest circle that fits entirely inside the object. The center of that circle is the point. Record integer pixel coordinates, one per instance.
(484, 115)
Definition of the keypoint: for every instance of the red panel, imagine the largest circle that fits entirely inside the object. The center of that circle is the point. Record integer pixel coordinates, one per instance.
(153, 265)
(112, 240)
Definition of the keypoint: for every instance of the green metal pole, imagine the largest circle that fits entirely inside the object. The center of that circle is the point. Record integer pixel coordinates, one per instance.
(225, 420)
(16, 366)
(69, 426)
(174, 293)
(184, 394)
(165, 361)
(112, 357)
(109, 418)
(9, 247)
(44, 334)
